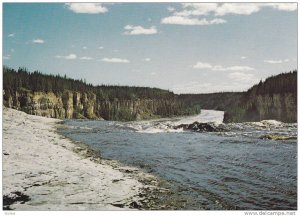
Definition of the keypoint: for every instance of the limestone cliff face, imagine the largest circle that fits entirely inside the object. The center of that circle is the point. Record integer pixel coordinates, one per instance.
(85, 105)
(282, 107)
(134, 109)
(65, 105)
(275, 98)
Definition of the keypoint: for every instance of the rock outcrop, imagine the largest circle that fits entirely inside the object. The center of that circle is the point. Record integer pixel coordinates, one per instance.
(277, 137)
(201, 127)
(86, 105)
(65, 105)
(275, 98)
(282, 107)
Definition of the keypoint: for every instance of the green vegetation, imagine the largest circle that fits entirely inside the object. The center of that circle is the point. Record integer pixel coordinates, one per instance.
(216, 101)
(279, 84)
(275, 98)
(64, 97)
(15, 80)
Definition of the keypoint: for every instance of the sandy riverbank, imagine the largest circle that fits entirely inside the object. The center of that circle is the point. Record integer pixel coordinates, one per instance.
(42, 170)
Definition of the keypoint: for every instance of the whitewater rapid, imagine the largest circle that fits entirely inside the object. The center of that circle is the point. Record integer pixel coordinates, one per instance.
(230, 169)
(167, 124)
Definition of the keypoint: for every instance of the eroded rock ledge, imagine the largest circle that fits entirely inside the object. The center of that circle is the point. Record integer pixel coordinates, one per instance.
(42, 170)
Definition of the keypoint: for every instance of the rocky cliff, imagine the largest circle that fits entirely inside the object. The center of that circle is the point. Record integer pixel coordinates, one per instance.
(275, 98)
(86, 105)
(282, 107)
(62, 97)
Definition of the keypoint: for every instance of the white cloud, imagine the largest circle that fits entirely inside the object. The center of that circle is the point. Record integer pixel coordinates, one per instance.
(171, 9)
(84, 47)
(189, 15)
(273, 61)
(283, 6)
(270, 61)
(115, 60)
(86, 58)
(11, 35)
(237, 8)
(12, 50)
(193, 87)
(139, 30)
(6, 57)
(68, 57)
(204, 65)
(197, 9)
(100, 47)
(229, 85)
(243, 77)
(232, 68)
(38, 41)
(153, 74)
(244, 57)
(88, 8)
(147, 59)
(181, 20)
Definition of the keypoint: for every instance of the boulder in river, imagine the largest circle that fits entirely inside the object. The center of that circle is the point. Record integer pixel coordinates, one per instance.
(202, 127)
(277, 137)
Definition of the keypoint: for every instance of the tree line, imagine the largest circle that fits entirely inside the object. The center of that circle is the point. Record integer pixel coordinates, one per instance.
(279, 84)
(274, 98)
(167, 103)
(36, 81)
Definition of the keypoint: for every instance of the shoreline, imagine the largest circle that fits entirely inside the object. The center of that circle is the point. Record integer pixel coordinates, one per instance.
(43, 170)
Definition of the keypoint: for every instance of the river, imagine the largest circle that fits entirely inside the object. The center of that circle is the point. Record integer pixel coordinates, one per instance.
(228, 170)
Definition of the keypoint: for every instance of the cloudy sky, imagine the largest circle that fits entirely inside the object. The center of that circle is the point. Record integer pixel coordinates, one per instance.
(184, 47)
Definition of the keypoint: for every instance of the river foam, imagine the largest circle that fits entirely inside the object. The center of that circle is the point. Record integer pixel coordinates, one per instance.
(230, 169)
(166, 125)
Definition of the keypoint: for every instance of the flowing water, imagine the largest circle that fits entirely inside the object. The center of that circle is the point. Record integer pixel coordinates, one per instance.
(228, 170)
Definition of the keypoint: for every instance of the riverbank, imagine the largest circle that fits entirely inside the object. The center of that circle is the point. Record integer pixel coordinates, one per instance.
(222, 170)
(43, 170)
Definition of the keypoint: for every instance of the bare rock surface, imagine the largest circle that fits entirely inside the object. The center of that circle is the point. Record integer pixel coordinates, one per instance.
(42, 170)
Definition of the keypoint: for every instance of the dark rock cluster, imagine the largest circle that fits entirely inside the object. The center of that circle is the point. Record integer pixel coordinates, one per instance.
(202, 127)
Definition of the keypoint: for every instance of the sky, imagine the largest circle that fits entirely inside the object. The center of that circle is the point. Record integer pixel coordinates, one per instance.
(183, 47)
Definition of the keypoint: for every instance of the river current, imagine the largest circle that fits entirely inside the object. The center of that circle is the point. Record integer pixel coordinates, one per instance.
(211, 170)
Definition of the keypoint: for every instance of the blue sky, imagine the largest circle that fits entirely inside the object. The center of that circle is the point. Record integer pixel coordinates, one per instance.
(184, 47)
